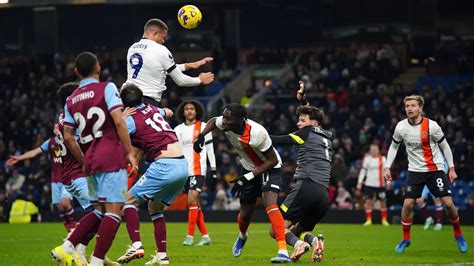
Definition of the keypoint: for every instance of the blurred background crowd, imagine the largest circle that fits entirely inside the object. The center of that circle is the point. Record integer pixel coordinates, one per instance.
(359, 81)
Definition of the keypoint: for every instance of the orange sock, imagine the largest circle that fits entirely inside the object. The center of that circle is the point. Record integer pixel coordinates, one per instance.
(384, 214)
(193, 213)
(278, 226)
(200, 223)
(243, 226)
(368, 215)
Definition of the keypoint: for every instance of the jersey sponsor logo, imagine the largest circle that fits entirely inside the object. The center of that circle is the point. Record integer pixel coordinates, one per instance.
(414, 145)
(57, 160)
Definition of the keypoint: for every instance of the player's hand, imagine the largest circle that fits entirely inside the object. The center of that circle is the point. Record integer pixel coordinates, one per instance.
(131, 159)
(132, 170)
(359, 186)
(128, 111)
(452, 174)
(387, 175)
(202, 62)
(300, 92)
(199, 143)
(206, 78)
(12, 161)
(238, 184)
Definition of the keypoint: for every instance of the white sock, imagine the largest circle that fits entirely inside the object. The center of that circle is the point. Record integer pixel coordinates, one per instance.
(206, 235)
(96, 261)
(299, 243)
(280, 251)
(68, 247)
(161, 255)
(80, 248)
(244, 236)
(190, 236)
(137, 244)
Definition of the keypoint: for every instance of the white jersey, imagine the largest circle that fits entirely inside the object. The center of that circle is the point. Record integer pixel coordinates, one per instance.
(187, 134)
(251, 145)
(372, 168)
(421, 141)
(148, 63)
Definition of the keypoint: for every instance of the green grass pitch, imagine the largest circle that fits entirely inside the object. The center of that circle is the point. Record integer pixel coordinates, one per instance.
(345, 245)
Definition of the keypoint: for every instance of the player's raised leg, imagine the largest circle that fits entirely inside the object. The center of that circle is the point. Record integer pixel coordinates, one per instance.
(136, 250)
(243, 220)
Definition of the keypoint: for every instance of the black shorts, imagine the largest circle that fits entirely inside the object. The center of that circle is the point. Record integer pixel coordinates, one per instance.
(151, 101)
(194, 182)
(436, 181)
(268, 181)
(306, 204)
(374, 192)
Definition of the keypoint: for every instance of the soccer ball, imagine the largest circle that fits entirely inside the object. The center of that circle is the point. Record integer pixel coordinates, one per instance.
(189, 17)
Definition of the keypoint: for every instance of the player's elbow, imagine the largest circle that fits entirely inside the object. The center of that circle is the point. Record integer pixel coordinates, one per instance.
(273, 162)
(168, 113)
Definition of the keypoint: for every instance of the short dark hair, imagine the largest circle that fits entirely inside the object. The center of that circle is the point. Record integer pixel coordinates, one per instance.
(154, 22)
(313, 112)
(65, 90)
(236, 110)
(131, 95)
(200, 111)
(85, 63)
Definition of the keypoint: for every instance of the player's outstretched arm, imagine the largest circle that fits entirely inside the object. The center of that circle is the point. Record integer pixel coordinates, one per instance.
(71, 144)
(195, 65)
(295, 138)
(184, 80)
(27, 155)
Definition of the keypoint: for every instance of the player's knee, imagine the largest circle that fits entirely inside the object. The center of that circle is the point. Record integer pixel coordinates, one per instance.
(448, 204)
(193, 197)
(420, 201)
(155, 207)
(409, 205)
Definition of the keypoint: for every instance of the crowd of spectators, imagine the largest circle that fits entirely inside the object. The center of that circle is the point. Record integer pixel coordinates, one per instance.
(352, 84)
